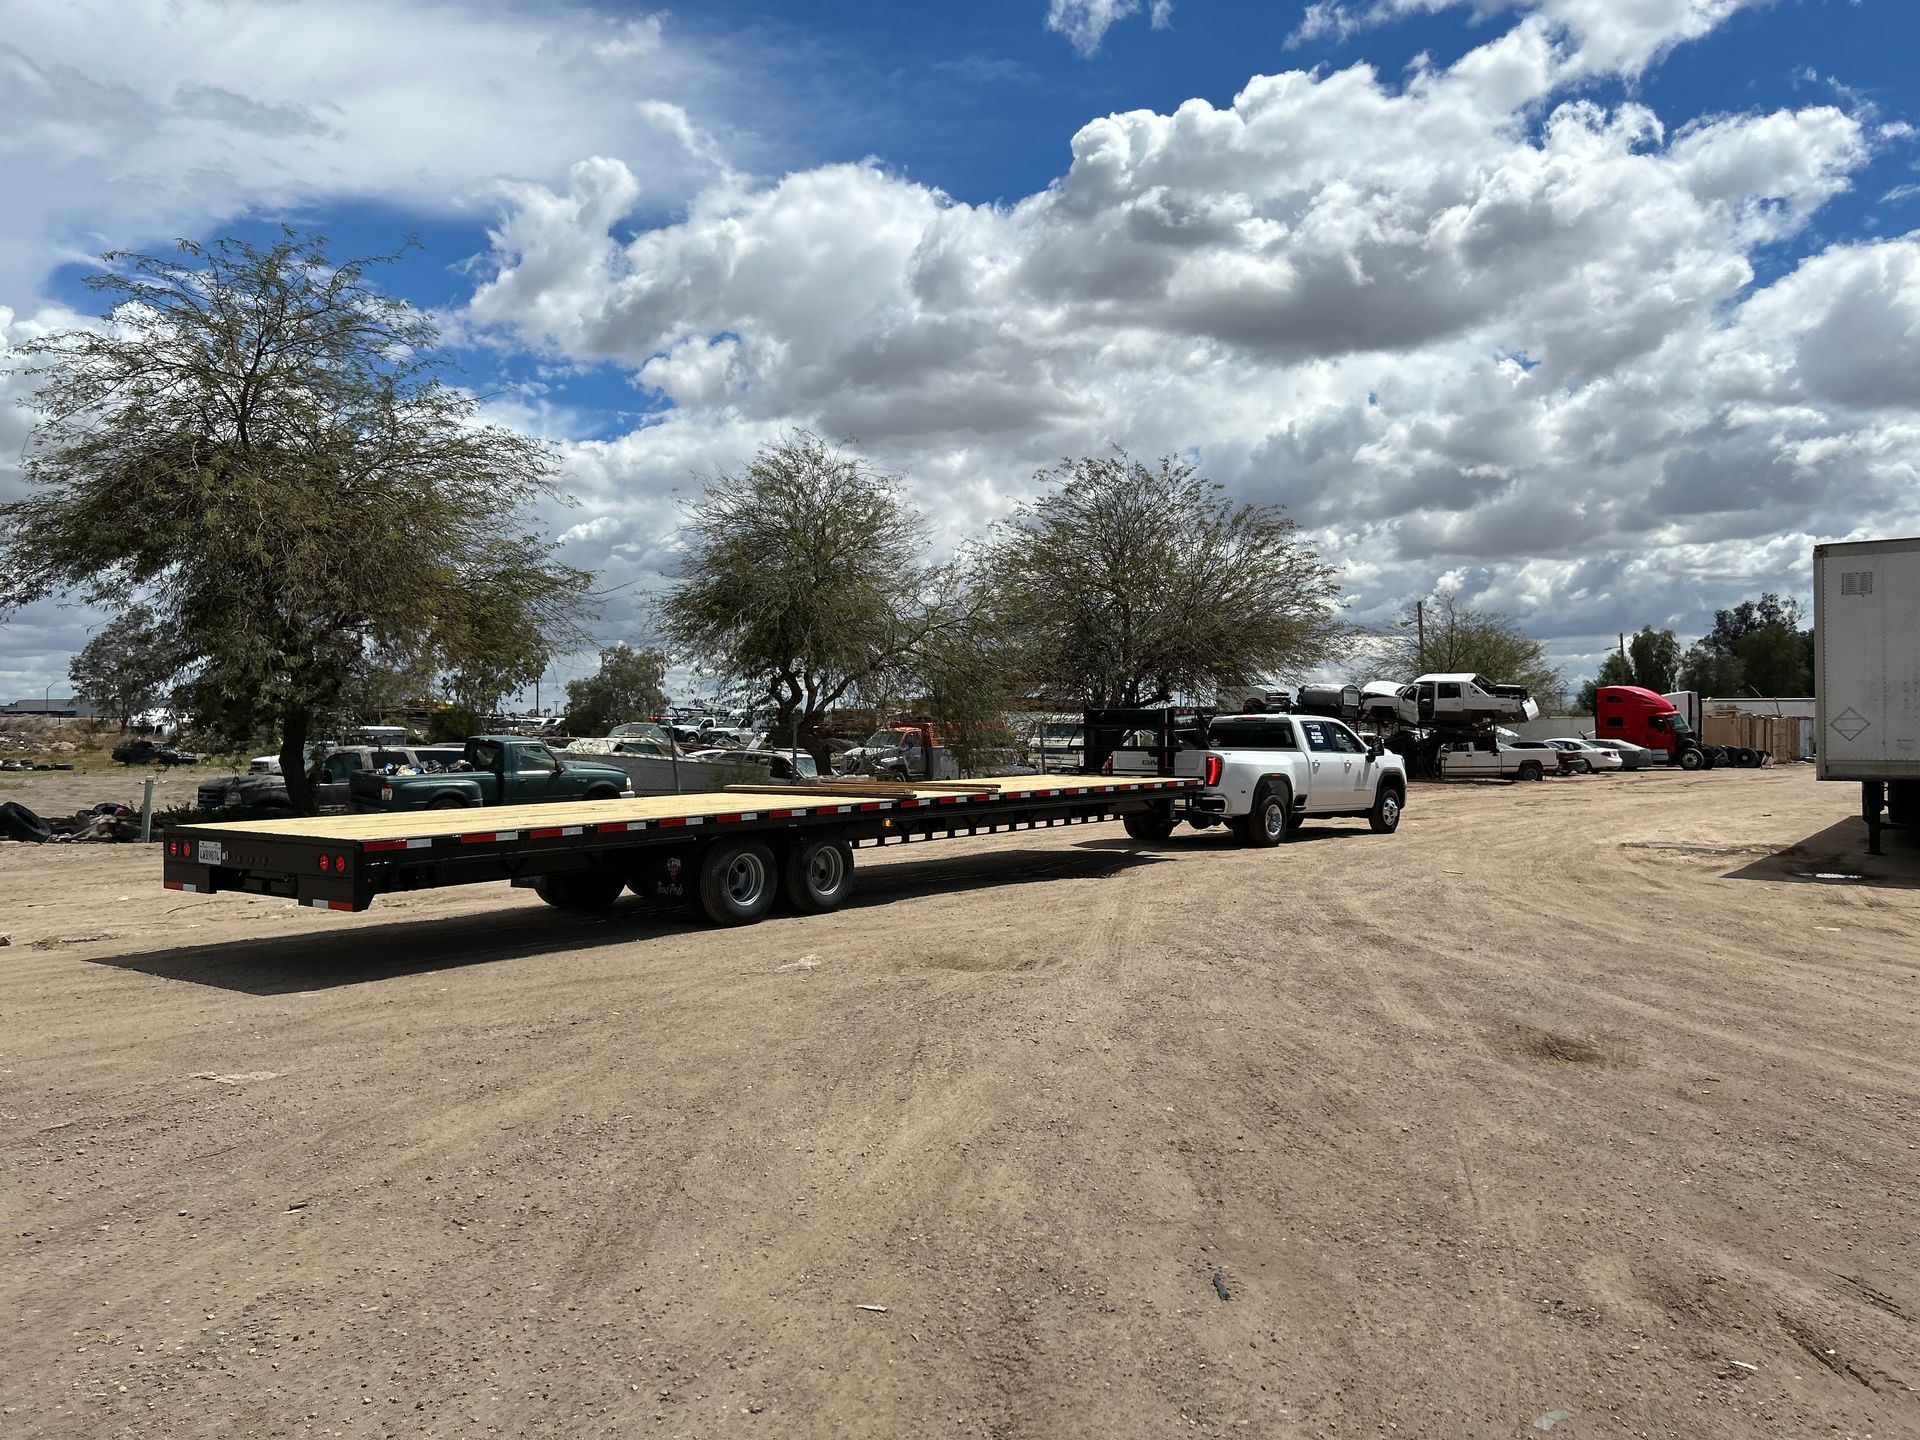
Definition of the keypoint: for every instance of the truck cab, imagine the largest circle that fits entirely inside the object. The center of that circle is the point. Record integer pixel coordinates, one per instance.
(1642, 717)
(1465, 699)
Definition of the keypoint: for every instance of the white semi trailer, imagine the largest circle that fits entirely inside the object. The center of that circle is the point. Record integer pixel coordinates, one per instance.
(1866, 657)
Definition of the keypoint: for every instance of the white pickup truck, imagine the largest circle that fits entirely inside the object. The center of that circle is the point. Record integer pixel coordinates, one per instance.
(1264, 775)
(1495, 760)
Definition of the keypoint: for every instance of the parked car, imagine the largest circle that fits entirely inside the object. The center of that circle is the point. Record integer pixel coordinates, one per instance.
(785, 767)
(263, 794)
(493, 770)
(1057, 746)
(1632, 756)
(149, 752)
(1584, 757)
(1499, 759)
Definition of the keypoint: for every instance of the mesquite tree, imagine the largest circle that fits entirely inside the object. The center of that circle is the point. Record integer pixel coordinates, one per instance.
(1128, 585)
(259, 444)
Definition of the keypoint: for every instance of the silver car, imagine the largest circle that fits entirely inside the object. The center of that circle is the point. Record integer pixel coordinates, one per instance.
(1632, 756)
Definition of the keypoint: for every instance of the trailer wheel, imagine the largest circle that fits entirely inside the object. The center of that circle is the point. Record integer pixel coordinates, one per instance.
(1151, 826)
(736, 882)
(1269, 822)
(1530, 770)
(818, 875)
(1691, 759)
(580, 890)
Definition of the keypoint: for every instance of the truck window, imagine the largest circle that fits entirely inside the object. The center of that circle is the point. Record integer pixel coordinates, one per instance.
(339, 767)
(534, 758)
(1449, 690)
(483, 755)
(1246, 735)
(1319, 737)
(1345, 741)
(1616, 722)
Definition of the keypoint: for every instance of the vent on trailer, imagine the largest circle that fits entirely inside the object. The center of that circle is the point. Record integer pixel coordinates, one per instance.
(1856, 582)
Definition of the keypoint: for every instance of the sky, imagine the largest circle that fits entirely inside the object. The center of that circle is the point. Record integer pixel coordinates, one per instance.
(1600, 312)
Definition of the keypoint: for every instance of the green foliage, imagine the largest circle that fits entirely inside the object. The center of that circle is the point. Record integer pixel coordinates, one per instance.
(1461, 639)
(805, 583)
(260, 441)
(1127, 585)
(1655, 657)
(1755, 648)
(128, 666)
(456, 722)
(1614, 670)
(627, 686)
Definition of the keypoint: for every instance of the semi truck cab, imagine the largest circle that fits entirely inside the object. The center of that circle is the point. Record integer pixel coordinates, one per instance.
(1638, 715)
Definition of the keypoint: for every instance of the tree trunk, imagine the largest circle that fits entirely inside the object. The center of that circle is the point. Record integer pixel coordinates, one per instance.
(293, 760)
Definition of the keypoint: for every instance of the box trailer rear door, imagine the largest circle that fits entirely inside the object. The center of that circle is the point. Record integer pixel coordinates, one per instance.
(1867, 659)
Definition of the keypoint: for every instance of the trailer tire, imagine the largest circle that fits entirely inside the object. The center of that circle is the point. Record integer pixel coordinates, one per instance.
(1530, 770)
(1270, 821)
(586, 891)
(737, 880)
(817, 875)
(1150, 826)
(1384, 817)
(1691, 759)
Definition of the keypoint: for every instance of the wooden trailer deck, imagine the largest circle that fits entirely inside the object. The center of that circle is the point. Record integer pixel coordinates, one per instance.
(746, 803)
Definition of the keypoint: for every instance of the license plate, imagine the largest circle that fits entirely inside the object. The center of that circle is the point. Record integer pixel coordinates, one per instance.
(210, 853)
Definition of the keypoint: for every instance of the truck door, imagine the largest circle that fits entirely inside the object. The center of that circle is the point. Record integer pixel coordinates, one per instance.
(1361, 768)
(536, 777)
(1330, 769)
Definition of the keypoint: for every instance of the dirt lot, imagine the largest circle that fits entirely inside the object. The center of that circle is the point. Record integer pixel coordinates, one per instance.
(1589, 1096)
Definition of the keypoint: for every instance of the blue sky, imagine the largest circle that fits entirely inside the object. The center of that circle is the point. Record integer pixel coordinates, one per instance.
(970, 244)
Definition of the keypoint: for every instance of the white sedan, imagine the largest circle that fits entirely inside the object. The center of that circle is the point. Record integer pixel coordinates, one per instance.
(1584, 757)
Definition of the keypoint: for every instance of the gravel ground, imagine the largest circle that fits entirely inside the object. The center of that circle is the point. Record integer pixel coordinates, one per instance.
(1594, 1096)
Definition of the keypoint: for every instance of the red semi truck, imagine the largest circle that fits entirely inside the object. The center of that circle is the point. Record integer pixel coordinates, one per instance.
(1631, 713)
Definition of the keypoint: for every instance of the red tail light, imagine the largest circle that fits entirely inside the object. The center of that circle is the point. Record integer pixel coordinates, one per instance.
(1214, 766)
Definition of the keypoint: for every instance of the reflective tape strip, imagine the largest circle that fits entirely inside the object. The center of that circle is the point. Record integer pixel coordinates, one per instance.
(554, 832)
(329, 904)
(423, 842)
(952, 799)
(781, 814)
(744, 815)
(616, 827)
(682, 820)
(181, 885)
(486, 837)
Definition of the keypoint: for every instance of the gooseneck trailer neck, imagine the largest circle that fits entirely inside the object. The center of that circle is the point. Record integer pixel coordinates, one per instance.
(733, 850)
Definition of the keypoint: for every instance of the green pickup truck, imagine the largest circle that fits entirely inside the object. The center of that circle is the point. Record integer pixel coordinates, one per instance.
(495, 770)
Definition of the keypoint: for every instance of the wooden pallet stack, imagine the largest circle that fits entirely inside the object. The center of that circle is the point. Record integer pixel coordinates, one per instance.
(1771, 734)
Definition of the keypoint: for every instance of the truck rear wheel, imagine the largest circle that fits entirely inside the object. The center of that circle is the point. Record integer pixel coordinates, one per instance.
(1268, 823)
(1691, 759)
(1530, 770)
(580, 890)
(447, 802)
(818, 875)
(736, 882)
(1151, 826)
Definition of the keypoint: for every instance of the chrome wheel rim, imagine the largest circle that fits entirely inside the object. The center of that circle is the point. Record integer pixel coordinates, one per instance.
(1390, 811)
(746, 878)
(825, 869)
(1276, 820)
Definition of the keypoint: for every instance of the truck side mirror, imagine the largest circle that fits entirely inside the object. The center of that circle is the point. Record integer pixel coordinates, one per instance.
(1376, 750)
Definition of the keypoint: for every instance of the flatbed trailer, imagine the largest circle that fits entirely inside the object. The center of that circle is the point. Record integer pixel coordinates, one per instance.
(736, 851)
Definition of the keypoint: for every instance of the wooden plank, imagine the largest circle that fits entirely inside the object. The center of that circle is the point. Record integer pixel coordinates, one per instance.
(508, 819)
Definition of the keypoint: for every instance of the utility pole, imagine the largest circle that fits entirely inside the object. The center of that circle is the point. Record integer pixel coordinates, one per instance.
(1623, 644)
(1420, 620)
